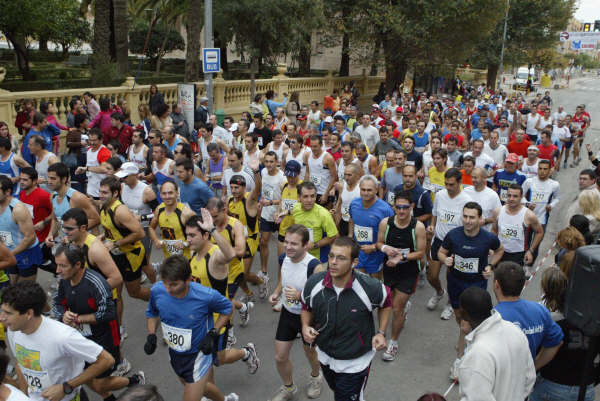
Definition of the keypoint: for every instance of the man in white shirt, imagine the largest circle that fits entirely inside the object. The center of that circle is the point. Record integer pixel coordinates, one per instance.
(369, 134)
(562, 134)
(222, 133)
(487, 198)
(495, 149)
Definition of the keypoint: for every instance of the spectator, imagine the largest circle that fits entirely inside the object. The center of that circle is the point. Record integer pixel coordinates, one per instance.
(589, 204)
(293, 107)
(156, 100)
(125, 110)
(91, 105)
(4, 132)
(102, 119)
(201, 113)
(144, 113)
(161, 118)
(75, 107)
(568, 239)
(273, 105)
(179, 122)
(120, 132)
(24, 118)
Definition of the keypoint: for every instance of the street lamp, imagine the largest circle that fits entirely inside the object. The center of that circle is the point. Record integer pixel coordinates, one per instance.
(502, 51)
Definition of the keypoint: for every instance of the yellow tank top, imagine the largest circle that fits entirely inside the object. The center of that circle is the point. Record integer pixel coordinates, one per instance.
(200, 275)
(236, 266)
(172, 229)
(289, 197)
(112, 231)
(87, 244)
(238, 210)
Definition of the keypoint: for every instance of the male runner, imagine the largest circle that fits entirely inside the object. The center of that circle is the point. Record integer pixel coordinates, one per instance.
(43, 159)
(84, 301)
(485, 196)
(366, 213)
(97, 154)
(296, 266)
(138, 150)
(465, 251)
(320, 170)
(503, 178)
(289, 197)
(235, 158)
(51, 356)
(349, 191)
(185, 311)
(402, 240)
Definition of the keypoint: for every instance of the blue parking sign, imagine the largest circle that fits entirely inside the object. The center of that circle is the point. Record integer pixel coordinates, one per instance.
(211, 59)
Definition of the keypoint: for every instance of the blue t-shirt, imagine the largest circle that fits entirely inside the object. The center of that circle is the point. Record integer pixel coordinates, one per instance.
(535, 321)
(49, 132)
(421, 200)
(196, 194)
(421, 142)
(470, 253)
(475, 134)
(503, 180)
(366, 227)
(193, 312)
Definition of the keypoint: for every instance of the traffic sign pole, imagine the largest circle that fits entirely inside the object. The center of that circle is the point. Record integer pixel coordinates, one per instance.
(208, 42)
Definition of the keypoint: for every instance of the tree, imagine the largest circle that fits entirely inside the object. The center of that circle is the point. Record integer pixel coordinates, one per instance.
(65, 27)
(193, 28)
(119, 35)
(160, 43)
(101, 39)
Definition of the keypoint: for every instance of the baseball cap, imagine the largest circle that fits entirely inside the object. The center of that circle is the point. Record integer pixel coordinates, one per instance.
(512, 158)
(238, 180)
(234, 127)
(533, 147)
(375, 106)
(398, 109)
(292, 169)
(328, 119)
(300, 117)
(127, 169)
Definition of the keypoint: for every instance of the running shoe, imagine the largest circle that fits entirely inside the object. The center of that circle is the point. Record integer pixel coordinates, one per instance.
(435, 300)
(263, 288)
(285, 393)
(447, 312)
(314, 386)
(390, 353)
(252, 361)
(122, 369)
(232, 397)
(245, 316)
(139, 377)
(231, 339)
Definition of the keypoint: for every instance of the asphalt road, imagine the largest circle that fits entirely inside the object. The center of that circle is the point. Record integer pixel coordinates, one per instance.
(426, 346)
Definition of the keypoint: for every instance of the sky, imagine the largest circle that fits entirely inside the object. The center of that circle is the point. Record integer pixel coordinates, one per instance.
(589, 11)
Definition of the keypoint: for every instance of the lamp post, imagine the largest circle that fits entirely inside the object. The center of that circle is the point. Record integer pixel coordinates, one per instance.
(501, 69)
(208, 42)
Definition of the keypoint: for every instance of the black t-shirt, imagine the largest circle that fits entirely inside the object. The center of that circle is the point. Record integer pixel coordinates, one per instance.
(415, 158)
(264, 136)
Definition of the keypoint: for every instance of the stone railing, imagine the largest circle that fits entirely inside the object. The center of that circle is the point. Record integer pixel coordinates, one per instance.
(233, 97)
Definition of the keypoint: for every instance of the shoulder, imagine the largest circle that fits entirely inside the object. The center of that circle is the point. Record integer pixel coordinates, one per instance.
(314, 280)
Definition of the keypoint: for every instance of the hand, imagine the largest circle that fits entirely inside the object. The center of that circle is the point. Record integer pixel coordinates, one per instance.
(253, 164)
(310, 245)
(378, 342)
(207, 223)
(291, 294)
(49, 241)
(323, 200)
(207, 345)
(80, 170)
(265, 202)
(109, 245)
(528, 259)
(487, 272)
(449, 261)
(274, 298)
(531, 205)
(69, 318)
(309, 333)
(54, 393)
(430, 229)
(390, 251)
(158, 244)
(548, 208)
(150, 345)
(368, 249)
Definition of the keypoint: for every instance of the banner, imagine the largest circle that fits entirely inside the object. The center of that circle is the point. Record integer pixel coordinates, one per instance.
(583, 44)
(187, 99)
(566, 36)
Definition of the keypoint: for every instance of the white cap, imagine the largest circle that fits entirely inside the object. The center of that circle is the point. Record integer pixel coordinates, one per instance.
(127, 169)
(328, 119)
(85, 138)
(234, 127)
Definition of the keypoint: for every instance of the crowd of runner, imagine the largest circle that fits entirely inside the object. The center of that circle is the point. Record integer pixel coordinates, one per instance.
(365, 207)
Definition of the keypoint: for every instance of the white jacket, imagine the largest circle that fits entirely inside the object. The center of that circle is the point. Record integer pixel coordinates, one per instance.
(497, 364)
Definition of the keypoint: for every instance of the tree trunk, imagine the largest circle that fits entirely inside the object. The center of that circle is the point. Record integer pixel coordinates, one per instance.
(223, 46)
(101, 39)
(395, 64)
(375, 57)
(304, 54)
(22, 55)
(345, 61)
(121, 42)
(492, 74)
(193, 30)
(161, 51)
(43, 44)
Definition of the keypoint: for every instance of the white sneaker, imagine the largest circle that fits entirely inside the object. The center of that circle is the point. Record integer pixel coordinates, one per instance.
(391, 352)
(232, 397)
(245, 315)
(454, 369)
(447, 312)
(122, 369)
(285, 394)
(263, 288)
(314, 386)
(435, 300)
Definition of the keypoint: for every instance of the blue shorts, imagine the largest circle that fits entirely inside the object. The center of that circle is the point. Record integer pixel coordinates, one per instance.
(30, 257)
(190, 367)
(456, 287)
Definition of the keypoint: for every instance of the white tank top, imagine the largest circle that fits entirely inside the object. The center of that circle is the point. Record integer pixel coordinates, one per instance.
(278, 152)
(137, 158)
(347, 197)
(341, 167)
(41, 167)
(319, 173)
(248, 157)
(132, 197)
(365, 164)
(531, 123)
(511, 230)
(164, 170)
(93, 187)
(530, 171)
(299, 158)
(294, 275)
(271, 190)
(545, 122)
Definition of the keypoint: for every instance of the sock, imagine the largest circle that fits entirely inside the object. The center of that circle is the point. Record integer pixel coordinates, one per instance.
(393, 342)
(289, 387)
(246, 354)
(110, 398)
(133, 380)
(243, 308)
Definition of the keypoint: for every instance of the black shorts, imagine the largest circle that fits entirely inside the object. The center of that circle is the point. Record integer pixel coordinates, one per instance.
(220, 345)
(280, 238)
(116, 354)
(346, 386)
(343, 228)
(190, 367)
(26, 272)
(289, 326)
(330, 199)
(267, 226)
(129, 272)
(405, 282)
(516, 257)
(48, 264)
(233, 287)
(435, 247)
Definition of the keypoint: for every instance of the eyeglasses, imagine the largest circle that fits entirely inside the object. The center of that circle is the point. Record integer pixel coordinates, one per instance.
(151, 137)
(69, 228)
(402, 207)
(293, 142)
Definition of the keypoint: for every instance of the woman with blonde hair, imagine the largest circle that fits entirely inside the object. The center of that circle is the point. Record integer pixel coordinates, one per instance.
(589, 204)
(569, 239)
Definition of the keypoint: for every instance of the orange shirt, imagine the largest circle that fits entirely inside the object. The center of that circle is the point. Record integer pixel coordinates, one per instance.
(466, 178)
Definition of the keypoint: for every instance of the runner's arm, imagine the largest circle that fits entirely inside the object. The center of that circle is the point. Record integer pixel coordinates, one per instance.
(20, 162)
(421, 243)
(495, 221)
(102, 363)
(534, 223)
(239, 239)
(495, 259)
(7, 259)
(83, 202)
(23, 219)
(129, 221)
(328, 160)
(226, 252)
(152, 230)
(152, 324)
(99, 256)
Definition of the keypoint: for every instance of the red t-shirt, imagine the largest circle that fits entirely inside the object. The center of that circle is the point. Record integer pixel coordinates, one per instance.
(519, 148)
(336, 155)
(39, 201)
(123, 135)
(548, 152)
(460, 139)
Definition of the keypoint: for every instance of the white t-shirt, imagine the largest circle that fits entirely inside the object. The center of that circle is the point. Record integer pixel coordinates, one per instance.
(16, 394)
(448, 211)
(488, 199)
(271, 190)
(541, 193)
(53, 354)
(498, 155)
(532, 120)
(559, 133)
(556, 116)
(245, 172)
(369, 135)
(223, 134)
(294, 275)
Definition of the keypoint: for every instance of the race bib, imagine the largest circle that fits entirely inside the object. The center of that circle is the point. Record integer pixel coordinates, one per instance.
(6, 238)
(503, 140)
(85, 329)
(466, 265)
(37, 381)
(170, 246)
(346, 212)
(288, 204)
(503, 194)
(177, 339)
(539, 196)
(315, 179)
(363, 234)
(449, 217)
(260, 141)
(510, 232)
(311, 234)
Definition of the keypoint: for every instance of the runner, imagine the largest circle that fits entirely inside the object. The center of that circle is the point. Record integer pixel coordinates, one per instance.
(97, 154)
(503, 178)
(193, 192)
(252, 152)
(347, 158)
(350, 191)
(402, 240)
(366, 213)
(529, 166)
(511, 222)
(296, 265)
(345, 335)
(53, 359)
(485, 196)
(10, 163)
(465, 252)
(235, 159)
(392, 176)
(138, 150)
(547, 150)
(320, 170)
(84, 302)
(297, 151)
(289, 197)
(18, 234)
(170, 217)
(277, 145)
(367, 161)
(191, 341)
(435, 174)
(244, 206)
(210, 267)
(43, 159)
(581, 122)
(272, 180)
(447, 214)
(163, 168)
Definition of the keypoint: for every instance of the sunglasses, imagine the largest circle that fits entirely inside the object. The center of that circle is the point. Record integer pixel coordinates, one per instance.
(402, 207)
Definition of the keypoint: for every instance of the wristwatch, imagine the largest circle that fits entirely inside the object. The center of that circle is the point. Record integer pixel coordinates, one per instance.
(381, 332)
(67, 389)
(212, 230)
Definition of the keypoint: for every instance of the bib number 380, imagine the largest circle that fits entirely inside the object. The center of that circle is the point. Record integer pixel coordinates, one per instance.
(177, 339)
